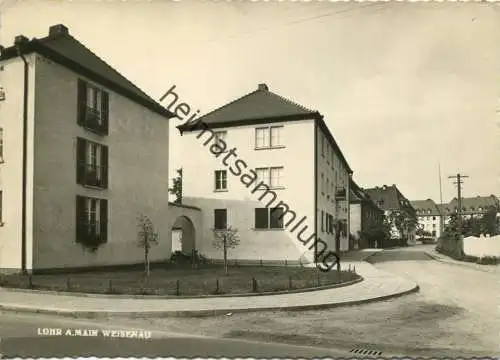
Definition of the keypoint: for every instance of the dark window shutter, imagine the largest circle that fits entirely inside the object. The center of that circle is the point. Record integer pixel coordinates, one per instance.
(81, 147)
(104, 219)
(220, 219)
(105, 166)
(322, 221)
(80, 218)
(82, 101)
(105, 111)
(276, 218)
(327, 223)
(261, 218)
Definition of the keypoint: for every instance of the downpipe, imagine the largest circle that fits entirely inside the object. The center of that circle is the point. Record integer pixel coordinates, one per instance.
(25, 160)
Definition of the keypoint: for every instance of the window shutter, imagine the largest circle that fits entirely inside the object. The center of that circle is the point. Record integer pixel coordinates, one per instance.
(104, 220)
(80, 217)
(322, 221)
(105, 166)
(105, 111)
(82, 101)
(80, 160)
(276, 218)
(261, 218)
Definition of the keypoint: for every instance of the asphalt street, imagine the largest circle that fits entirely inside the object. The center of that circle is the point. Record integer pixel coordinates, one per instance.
(19, 338)
(454, 314)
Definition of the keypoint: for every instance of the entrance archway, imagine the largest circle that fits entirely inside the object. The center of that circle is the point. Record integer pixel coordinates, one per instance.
(183, 236)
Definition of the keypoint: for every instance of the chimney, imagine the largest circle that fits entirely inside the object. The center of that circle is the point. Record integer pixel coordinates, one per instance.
(263, 87)
(58, 30)
(20, 40)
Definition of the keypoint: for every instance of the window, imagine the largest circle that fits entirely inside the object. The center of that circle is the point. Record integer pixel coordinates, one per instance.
(220, 180)
(272, 177)
(263, 175)
(322, 184)
(220, 138)
(322, 221)
(220, 219)
(92, 164)
(276, 133)
(1, 145)
(269, 137)
(276, 218)
(327, 188)
(93, 108)
(91, 219)
(266, 218)
(276, 177)
(433, 218)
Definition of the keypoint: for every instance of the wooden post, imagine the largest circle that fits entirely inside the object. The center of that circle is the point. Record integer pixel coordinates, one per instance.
(290, 284)
(217, 289)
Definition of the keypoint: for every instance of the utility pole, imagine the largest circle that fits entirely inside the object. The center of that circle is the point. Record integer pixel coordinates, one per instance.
(459, 183)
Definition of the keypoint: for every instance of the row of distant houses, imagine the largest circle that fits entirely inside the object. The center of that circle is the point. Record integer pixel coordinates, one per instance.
(433, 217)
(83, 151)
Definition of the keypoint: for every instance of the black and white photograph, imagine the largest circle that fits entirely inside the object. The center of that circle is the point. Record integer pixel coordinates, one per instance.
(249, 179)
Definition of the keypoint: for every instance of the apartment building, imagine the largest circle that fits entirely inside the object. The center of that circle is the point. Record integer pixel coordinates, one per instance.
(364, 214)
(429, 216)
(471, 207)
(392, 201)
(272, 169)
(83, 152)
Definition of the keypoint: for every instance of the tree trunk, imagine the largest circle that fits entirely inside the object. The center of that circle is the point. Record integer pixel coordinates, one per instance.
(146, 260)
(225, 255)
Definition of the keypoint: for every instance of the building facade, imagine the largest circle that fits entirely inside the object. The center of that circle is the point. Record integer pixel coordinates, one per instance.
(429, 217)
(392, 201)
(272, 169)
(364, 214)
(81, 159)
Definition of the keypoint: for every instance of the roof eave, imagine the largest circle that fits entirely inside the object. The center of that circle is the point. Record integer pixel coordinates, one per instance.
(35, 46)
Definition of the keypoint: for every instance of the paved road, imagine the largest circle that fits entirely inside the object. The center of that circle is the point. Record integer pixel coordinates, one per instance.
(454, 314)
(18, 334)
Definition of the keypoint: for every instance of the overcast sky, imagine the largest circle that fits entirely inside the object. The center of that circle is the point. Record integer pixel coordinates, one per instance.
(402, 86)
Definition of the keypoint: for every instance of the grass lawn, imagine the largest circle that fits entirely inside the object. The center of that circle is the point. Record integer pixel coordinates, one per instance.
(200, 281)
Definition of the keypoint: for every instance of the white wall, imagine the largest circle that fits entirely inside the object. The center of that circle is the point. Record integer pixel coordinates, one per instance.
(337, 173)
(297, 158)
(11, 120)
(138, 175)
(482, 246)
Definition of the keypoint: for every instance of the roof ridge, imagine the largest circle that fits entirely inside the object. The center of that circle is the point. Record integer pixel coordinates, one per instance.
(291, 102)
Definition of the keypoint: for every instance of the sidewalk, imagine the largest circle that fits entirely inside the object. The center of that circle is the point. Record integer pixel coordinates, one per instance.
(377, 285)
(431, 251)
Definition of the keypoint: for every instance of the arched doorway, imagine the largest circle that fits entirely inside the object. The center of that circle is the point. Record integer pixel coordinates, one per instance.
(183, 236)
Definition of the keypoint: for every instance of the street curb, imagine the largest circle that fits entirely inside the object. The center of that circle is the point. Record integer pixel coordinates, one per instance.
(445, 261)
(200, 313)
(172, 297)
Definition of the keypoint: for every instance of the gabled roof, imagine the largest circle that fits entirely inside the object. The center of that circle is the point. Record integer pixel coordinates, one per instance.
(359, 195)
(473, 205)
(426, 207)
(65, 50)
(260, 104)
(261, 107)
(389, 198)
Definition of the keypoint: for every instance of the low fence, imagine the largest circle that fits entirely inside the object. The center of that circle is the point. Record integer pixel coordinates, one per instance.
(482, 246)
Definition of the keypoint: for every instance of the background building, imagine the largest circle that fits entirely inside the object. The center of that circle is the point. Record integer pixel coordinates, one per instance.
(429, 216)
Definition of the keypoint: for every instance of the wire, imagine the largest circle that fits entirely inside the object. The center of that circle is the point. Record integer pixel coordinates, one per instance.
(295, 22)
